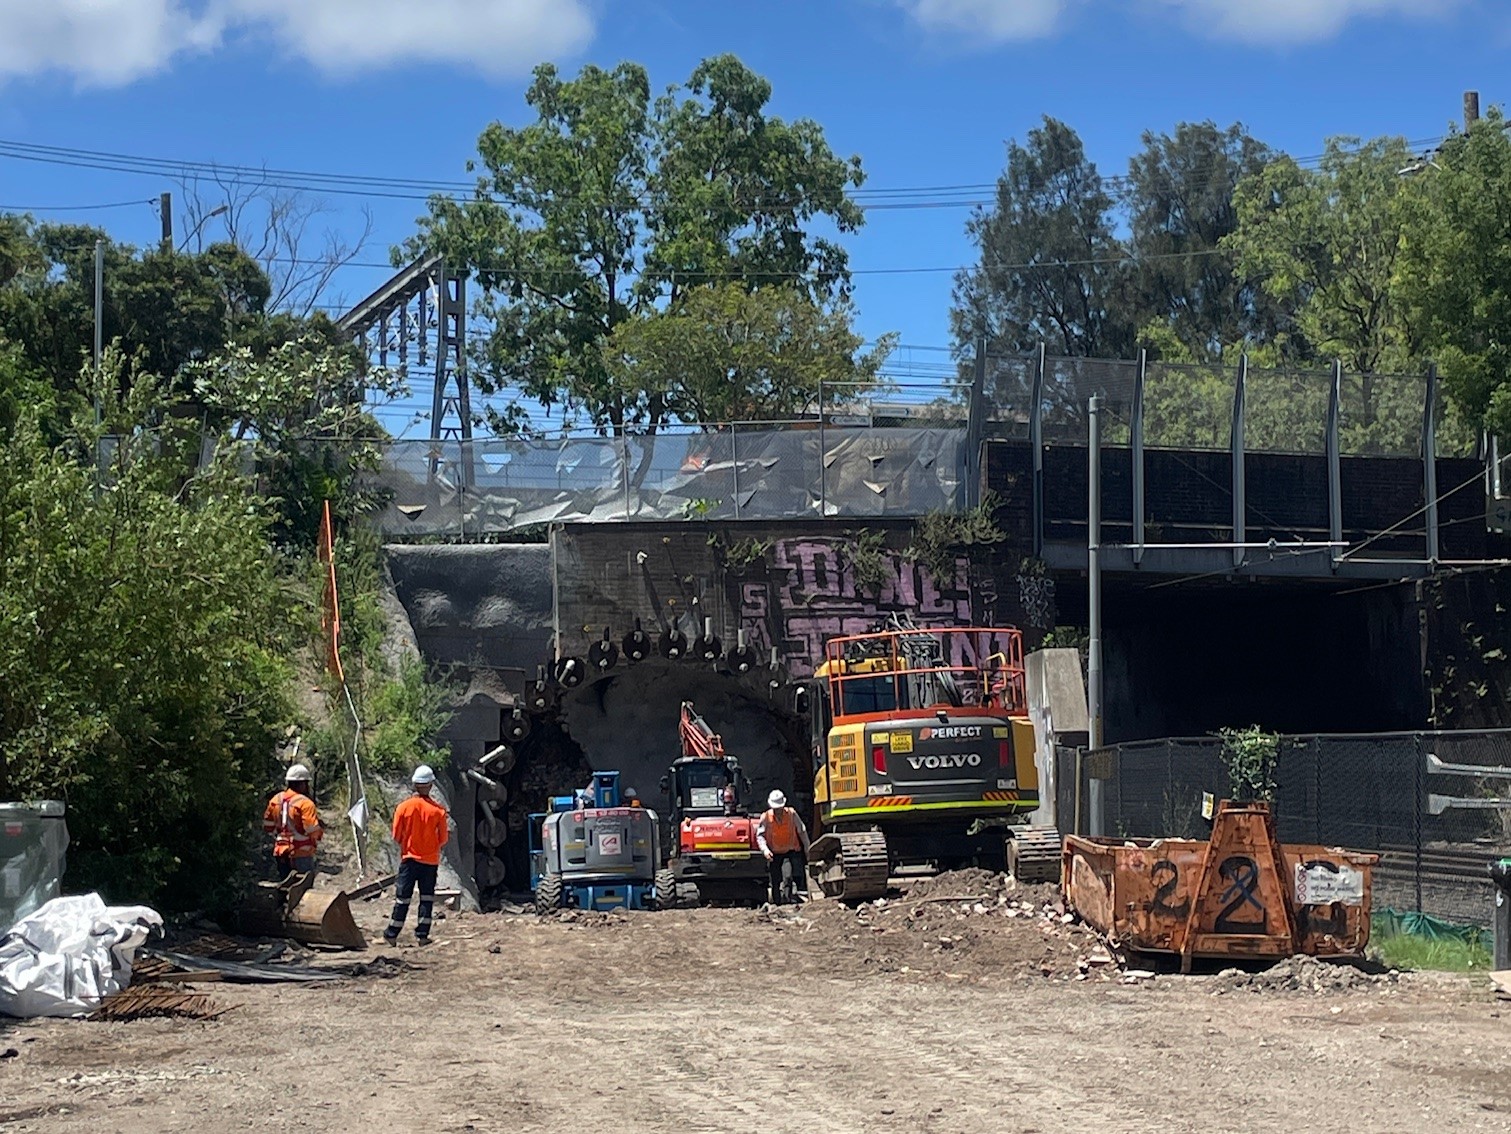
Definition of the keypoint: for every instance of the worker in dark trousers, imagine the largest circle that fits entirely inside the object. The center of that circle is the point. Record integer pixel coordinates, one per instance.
(782, 837)
(419, 827)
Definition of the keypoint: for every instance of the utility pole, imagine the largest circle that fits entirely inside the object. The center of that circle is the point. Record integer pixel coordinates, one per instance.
(1471, 108)
(165, 211)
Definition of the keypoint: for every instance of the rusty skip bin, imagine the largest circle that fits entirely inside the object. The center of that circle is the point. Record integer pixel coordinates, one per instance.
(1240, 895)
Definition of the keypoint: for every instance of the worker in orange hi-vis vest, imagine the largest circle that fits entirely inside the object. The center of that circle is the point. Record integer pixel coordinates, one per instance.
(294, 823)
(419, 827)
(783, 837)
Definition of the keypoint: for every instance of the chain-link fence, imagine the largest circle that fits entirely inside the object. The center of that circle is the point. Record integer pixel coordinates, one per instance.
(1191, 406)
(1425, 801)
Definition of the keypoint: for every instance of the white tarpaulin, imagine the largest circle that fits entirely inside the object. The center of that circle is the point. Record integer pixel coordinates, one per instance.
(65, 958)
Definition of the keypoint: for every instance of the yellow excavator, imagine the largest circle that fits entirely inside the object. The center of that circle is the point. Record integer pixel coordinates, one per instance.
(923, 754)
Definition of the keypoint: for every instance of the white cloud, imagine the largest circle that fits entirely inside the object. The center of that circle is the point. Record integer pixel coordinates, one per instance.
(1294, 21)
(110, 43)
(99, 42)
(987, 21)
(495, 37)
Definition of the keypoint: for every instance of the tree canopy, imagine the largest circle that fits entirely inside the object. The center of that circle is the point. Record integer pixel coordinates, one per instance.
(611, 205)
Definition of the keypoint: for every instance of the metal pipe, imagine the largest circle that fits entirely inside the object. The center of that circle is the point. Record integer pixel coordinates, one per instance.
(1094, 569)
(823, 495)
(1036, 445)
(1430, 462)
(734, 462)
(1335, 458)
(1237, 449)
(1136, 451)
(555, 598)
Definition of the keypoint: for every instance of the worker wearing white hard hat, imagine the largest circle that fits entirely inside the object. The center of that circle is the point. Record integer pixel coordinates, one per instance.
(420, 829)
(294, 823)
(783, 839)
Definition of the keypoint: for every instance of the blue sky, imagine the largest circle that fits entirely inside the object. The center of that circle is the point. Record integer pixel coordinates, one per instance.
(925, 91)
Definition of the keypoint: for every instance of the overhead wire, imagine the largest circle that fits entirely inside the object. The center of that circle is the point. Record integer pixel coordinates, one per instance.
(73, 208)
(970, 194)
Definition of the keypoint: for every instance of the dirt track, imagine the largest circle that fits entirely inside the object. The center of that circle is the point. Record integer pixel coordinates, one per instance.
(911, 1016)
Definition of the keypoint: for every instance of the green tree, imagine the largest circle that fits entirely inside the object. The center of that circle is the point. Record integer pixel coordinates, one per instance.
(143, 632)
(725, 353)
(1191, 303)
(303, 408)
(164, 309)
(609, 205)
(1051, 270)
(1457, 274)
(1327, 244)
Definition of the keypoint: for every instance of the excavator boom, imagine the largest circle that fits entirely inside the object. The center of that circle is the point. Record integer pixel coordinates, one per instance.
(698, 739)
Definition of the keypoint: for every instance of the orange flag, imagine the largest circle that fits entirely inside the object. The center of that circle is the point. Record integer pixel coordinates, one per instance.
(330, 605)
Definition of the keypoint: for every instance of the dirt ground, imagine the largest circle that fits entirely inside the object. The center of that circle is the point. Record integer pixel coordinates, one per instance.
(964, 1005)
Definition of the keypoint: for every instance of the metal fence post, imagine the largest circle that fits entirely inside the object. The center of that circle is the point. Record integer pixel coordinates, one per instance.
(1080, 774)
(734, 461)
(1237, 448)
(823, 496)
(1036, 443)
(1335, 463)
(1136, 452)
(1430, 462)
(1418, 777)
(624, 454)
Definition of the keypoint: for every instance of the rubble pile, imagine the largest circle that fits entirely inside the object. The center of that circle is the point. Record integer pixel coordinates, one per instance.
(1305, 975)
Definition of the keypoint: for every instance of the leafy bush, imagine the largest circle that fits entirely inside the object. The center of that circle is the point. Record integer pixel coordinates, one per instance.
(1250, 755)
(143, 631)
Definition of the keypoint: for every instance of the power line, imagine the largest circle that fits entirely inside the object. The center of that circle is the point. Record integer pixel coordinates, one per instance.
(71, 208)
(967, 195)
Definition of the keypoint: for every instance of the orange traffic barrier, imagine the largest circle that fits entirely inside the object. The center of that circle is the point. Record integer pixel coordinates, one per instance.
(1240, 895)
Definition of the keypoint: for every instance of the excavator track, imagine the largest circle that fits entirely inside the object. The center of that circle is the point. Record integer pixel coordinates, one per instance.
(1033, 854)
(850, 866)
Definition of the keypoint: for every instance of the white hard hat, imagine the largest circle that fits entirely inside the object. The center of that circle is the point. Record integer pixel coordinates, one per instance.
(424, 774)
(776, 799)
(296, 774)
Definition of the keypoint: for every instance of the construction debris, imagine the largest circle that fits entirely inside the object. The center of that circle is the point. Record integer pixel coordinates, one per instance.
(244, 973)
(142, 1001)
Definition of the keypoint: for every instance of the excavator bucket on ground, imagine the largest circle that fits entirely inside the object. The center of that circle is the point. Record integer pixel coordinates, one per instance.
(291, 909)
(1240, 895)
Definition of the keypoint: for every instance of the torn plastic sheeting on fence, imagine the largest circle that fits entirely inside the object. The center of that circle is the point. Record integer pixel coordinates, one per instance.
(773, 473)
(64, 959)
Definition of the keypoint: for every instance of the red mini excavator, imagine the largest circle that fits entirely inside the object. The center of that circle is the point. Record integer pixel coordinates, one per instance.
(716, 850)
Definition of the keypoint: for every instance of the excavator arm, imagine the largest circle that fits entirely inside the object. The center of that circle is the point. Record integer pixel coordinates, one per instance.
(697, 738)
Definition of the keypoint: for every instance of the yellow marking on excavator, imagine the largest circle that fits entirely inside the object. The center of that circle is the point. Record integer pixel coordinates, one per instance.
(1019, 805)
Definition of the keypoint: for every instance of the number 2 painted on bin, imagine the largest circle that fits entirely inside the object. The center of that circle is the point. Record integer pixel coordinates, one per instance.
(1242, 874)
(1160, 903)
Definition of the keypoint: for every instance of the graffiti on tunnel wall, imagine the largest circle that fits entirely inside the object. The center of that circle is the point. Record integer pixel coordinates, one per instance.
(809, 594)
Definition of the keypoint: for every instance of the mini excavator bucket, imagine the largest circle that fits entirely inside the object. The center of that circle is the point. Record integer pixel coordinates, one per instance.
(291, 909)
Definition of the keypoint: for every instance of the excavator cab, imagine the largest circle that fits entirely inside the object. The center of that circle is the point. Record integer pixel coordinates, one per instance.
(715, 838)
(697, 786)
